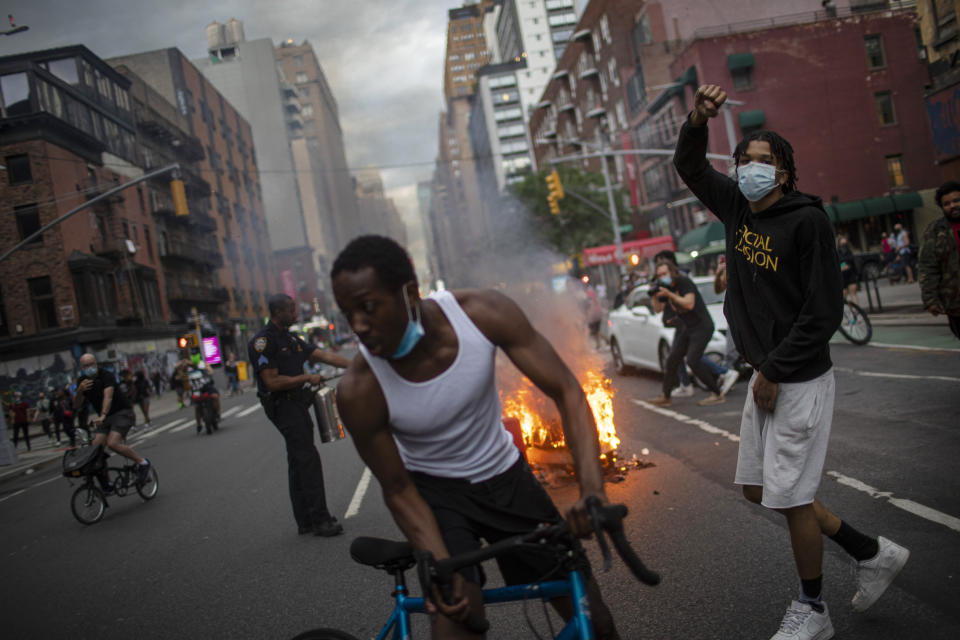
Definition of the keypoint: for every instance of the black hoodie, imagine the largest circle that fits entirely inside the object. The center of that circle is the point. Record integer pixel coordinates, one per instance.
(784, 292)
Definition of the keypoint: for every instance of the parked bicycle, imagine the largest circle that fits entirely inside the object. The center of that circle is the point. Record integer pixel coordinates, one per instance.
(396, 557)
(89, 501)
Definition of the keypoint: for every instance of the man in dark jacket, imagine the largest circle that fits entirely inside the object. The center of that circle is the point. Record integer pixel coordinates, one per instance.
(783, 304)
(940, 259)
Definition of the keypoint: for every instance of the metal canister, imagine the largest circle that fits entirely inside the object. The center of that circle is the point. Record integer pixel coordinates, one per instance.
(325, 412)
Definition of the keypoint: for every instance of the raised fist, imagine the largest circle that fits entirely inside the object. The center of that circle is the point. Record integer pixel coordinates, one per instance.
(706, 103)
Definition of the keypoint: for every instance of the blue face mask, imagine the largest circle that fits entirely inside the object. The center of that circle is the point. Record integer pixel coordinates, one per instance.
(413, 332)
(90, 371)
(666, 281)
(756, 180)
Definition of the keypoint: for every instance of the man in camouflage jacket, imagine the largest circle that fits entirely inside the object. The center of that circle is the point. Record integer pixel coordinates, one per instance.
(940, 258)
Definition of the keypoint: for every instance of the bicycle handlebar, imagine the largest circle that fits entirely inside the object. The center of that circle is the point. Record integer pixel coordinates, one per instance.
(607, 520)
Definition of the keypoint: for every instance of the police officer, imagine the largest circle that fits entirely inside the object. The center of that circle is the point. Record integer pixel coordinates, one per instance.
(278, 358)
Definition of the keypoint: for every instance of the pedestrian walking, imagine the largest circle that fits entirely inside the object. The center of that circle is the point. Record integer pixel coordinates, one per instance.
(594, 314)
(43, 413)
(63, 416)
(278, 358)
(939, 266)
(848, 268)
(231, 370)
(157, 381)
(784, 303)
(141, 396)
(904, 251)
(20, 417)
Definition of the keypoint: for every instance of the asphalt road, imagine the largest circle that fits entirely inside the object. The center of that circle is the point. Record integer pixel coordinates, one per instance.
(216, 554)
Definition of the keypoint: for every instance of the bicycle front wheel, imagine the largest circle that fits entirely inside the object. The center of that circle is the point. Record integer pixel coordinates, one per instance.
(88, 504)
(149, 487)
(325, 634)
(855, 325)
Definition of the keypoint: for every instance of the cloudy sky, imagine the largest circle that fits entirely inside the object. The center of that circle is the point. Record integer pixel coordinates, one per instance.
(383, 58)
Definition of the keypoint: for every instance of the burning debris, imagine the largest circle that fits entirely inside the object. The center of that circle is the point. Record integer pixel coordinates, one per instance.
(533, 420)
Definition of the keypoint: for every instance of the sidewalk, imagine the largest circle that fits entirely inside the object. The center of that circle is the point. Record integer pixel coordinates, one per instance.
(901, 305)
(45, 451)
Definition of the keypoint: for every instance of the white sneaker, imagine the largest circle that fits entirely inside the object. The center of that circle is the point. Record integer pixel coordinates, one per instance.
(803, 622)
(683, 391)
(876, 574)
(727, 381)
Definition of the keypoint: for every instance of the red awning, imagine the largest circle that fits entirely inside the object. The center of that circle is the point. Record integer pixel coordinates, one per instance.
(646, 248)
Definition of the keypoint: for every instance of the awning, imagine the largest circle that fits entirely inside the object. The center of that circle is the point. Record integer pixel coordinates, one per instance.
(688, 77)
(713, 248)
(701, 237)
(646, 248)
(882, 206)
(751, 119)
(739, 61)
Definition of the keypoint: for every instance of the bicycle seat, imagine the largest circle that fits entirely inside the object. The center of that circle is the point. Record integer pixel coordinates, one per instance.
(389, 555)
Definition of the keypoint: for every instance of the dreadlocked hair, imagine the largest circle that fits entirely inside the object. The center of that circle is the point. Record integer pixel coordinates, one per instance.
(385, 256)
(779, 147)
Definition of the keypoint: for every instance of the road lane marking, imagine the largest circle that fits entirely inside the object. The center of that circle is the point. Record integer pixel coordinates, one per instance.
(909, 506)
(155, 432)
(897, 376)
(887, 345)
(358, 494)
(249, 410)
(701, 424)
(15, 493)
(184, 427)
(230, 412)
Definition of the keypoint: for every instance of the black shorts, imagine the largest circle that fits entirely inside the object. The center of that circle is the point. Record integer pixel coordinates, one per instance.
(508, 504)
(849, 277)
(121, 422)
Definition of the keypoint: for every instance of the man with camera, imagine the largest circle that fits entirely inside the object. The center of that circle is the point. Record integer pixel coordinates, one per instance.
(694, 330)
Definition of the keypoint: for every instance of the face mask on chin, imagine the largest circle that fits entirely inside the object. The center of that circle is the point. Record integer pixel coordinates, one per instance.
(414, 331)
(756, 180)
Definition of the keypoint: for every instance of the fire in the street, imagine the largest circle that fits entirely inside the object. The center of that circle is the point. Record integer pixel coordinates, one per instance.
(530, 408)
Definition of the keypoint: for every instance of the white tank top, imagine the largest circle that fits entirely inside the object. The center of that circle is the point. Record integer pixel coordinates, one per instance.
(450, 425)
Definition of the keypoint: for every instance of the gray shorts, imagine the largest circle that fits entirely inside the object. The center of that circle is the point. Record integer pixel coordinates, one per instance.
(121, 422)
(784, 451)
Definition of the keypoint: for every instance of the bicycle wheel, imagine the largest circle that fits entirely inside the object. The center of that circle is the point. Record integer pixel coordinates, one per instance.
(855, 325)
(324, 634)
(88, 504)
(149, 487)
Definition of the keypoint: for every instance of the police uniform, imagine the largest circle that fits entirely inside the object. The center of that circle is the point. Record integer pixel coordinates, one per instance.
(276, 348)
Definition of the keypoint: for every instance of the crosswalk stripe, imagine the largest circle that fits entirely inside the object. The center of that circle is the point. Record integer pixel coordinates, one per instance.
(146, 435)
(184, 426)
(230, 412)
(249, 410)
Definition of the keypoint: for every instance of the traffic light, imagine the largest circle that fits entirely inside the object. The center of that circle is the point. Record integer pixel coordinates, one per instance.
(182, 342)
(179, 193)
(189, 340)
(556, 191)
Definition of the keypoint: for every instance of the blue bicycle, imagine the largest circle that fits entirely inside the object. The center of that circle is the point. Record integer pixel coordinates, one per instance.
(396, 557)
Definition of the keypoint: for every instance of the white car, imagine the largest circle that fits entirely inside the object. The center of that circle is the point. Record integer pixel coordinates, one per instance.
(639, 339)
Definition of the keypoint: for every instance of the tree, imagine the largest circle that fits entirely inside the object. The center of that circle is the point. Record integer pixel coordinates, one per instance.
(578, 225)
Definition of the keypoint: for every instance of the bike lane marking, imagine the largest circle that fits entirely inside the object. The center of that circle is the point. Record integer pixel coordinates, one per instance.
(358, 494)
(249, 410)
(15, 493)
(189, 424)
(155, 432)
(230, 412)
(910, 506)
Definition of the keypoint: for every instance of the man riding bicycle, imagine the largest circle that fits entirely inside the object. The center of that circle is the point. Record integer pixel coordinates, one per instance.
(115, 416)
(422, 407)
(200, 380)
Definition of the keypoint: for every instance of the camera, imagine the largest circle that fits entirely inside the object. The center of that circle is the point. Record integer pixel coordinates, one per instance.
(654, 289)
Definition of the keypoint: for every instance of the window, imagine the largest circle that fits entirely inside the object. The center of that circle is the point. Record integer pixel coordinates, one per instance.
(65, 69)
(44, 307)
(146, 241)
(605, 28)
(469, 56)
(612, 71)
(298, 61)
(15, 88)
(28, 222)
(306, 110)
(561, 19)
(742, 78)
(895, 171)
(874, 47)
(18, 169)
(641, 35)
(301, 77)
(455, 57)
(885, 112)
(303, 91)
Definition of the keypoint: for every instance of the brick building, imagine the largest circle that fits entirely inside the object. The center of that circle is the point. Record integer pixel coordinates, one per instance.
(248, 275)
(67, 135)
(845, 88)
(940, 31)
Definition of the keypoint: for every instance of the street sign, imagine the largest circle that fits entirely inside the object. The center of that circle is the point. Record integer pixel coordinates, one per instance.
(626, 228)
